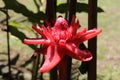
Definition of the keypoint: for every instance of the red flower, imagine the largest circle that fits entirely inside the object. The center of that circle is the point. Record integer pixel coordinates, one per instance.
(60, 40)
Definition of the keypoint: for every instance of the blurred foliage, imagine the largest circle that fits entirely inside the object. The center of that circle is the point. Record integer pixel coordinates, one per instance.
(84, 67)
(20, 8)
(80, 7)
(15, 32)
(36, 18)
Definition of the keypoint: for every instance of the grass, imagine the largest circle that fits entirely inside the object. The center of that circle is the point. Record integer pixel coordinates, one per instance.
(108, 42)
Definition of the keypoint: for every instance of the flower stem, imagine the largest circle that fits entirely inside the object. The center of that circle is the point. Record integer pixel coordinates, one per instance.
(35, 67)
(65, 68)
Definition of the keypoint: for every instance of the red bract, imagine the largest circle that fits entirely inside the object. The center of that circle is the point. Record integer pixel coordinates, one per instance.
(60, 40)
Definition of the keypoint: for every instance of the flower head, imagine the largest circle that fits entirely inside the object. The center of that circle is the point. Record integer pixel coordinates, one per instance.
(60, 40)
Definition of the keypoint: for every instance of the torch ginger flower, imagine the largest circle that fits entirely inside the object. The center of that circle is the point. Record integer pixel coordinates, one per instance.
(60, 40)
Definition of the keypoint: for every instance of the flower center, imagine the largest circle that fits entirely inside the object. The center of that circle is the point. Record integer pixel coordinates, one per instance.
(59, 31)
(60, 35)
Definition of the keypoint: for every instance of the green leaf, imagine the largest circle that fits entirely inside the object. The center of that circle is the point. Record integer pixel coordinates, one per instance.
(20, 35)
(62, 8)
(20, 25)
(20, 8)
(81, 7)
(83, 67)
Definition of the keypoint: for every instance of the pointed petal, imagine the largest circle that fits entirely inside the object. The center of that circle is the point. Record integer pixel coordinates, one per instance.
(74, 25)
(76, 53)
(73, 28)
(73, 19)
(52, 59)
(88, 35)
(37, 41)
(38, 30)
(79, 34)
(87, 57)
(47, 33)
(47, 22)
(77, 25)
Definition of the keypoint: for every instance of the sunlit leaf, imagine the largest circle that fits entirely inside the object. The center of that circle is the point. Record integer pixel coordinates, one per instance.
(20, 35)
(20, 8)
(81, 7)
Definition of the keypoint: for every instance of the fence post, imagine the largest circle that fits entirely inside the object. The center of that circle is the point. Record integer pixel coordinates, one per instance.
(92, 43)
(67, 61)
(51, 15)
(51, 10)
(72, 11)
